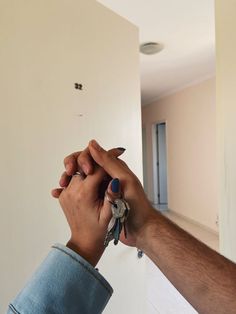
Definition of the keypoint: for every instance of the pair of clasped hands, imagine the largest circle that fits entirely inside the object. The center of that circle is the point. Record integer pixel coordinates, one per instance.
(85, 199)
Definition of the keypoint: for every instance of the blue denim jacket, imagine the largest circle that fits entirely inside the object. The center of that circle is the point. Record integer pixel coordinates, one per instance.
(64, 283)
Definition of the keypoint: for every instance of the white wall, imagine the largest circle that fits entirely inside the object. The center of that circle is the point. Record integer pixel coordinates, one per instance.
(190, 117)
(226, 115)
(47, 46)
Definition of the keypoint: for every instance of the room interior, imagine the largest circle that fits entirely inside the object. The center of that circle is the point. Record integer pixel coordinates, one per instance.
(47, 49)
(178, 88)
(198, 112)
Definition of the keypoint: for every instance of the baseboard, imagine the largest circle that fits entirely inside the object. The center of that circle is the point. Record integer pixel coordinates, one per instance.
(194, 222)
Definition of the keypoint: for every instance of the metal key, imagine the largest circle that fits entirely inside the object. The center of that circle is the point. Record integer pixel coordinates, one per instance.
(120, 209)
(109, 235)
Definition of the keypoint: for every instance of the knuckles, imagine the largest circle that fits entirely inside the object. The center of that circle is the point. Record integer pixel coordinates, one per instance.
(70, 196)
(132, 181)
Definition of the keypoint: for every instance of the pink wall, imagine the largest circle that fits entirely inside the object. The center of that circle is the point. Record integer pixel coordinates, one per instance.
(191, 148)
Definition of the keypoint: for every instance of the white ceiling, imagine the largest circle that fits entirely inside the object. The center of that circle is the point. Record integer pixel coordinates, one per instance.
(187, 30)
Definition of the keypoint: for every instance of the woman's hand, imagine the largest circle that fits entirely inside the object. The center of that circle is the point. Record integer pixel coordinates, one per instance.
(82, 200)
(87, 213)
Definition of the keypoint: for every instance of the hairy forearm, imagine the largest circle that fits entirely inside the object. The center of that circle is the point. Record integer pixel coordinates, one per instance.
(204, 277)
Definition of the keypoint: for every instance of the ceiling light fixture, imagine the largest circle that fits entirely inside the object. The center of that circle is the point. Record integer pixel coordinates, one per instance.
(150, 48)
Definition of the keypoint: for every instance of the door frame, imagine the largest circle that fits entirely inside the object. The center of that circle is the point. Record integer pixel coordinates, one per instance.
(154, 161)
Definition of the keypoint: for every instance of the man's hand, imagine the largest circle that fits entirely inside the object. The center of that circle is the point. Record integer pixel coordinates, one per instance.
(141, 211)
(204, 277)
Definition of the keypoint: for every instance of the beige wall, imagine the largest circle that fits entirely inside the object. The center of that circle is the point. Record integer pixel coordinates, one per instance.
(226, 122)
(191, 148)
(45, 47)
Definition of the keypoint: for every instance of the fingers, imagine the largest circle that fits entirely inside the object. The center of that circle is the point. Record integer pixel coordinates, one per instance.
(108, 162)
(70, 163)
(88, 186)
(113, 192)
(116, 152)
(97, 183)
(56, 192)
(84, 160)
(85, 163)
(64, 180)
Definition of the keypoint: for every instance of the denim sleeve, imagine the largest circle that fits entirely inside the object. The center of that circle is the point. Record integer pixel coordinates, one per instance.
(64, 283)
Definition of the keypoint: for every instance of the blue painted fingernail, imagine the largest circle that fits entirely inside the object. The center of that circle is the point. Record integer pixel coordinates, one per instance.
(115, 185)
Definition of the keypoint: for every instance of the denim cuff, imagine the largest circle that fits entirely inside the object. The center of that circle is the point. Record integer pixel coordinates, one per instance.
(64, 283)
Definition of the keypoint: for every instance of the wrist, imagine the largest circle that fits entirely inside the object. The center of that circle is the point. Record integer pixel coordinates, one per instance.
(152, 223)
(91, 255)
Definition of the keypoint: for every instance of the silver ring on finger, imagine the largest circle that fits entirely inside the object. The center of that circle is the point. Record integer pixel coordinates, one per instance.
(79, 174)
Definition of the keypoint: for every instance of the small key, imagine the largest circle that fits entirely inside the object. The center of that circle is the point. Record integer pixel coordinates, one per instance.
(117, 231)
(109, 237)
(120, 209)
(110, 230)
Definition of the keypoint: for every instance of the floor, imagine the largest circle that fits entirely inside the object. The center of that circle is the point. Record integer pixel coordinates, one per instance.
(203, 234)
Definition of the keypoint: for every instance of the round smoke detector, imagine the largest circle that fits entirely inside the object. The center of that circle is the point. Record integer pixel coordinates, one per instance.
(151, 48)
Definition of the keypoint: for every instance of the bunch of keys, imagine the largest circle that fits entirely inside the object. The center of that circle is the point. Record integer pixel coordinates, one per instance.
(120, 210)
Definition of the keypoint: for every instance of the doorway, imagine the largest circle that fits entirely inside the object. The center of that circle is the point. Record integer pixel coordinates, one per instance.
(160, 164)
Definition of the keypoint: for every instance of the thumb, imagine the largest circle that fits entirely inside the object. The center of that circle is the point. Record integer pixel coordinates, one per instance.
(113, 192)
